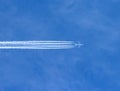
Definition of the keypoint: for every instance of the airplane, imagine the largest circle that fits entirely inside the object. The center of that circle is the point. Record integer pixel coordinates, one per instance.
(78, 44)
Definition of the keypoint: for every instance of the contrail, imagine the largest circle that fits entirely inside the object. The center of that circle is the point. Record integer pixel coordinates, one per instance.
(39, 44)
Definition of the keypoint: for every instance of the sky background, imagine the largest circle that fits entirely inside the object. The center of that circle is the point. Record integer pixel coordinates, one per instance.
(93, 67)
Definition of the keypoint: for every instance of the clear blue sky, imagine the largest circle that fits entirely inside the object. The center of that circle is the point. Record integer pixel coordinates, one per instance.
(93, 67)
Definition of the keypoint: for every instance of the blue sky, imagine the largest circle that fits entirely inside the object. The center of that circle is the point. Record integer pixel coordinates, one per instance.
(93, 67)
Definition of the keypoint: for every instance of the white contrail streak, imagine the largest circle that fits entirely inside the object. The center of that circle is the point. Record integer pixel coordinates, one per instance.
(38, 44)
